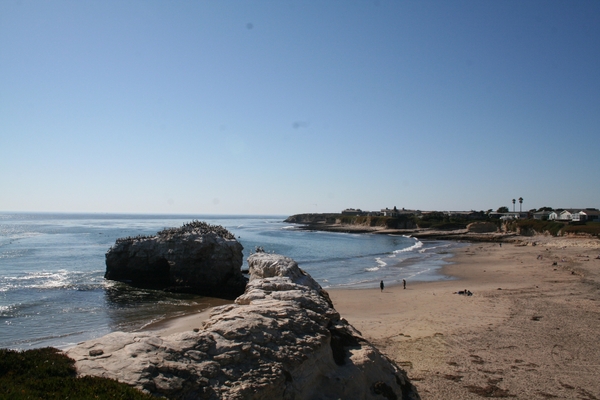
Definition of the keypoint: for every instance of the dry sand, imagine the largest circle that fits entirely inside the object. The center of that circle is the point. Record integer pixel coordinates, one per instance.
(531, 329)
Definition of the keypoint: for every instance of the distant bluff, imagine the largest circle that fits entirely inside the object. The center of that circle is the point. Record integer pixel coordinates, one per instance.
(195, 258)
(337, 222)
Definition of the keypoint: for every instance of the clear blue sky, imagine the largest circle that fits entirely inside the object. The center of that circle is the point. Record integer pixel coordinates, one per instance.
(284, 107)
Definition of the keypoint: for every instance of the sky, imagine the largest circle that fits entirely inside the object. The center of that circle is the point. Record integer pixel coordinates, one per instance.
(285, 107)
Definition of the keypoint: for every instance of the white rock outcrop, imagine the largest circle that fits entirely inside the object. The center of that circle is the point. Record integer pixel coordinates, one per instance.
(282, 339)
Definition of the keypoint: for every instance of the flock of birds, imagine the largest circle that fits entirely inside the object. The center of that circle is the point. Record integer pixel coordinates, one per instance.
(198, 227)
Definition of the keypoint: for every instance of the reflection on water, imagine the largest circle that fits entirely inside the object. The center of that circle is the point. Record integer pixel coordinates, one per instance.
(129, 308)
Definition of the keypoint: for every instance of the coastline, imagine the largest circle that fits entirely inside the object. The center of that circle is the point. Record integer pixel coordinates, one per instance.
(529, 330)
(425, 233)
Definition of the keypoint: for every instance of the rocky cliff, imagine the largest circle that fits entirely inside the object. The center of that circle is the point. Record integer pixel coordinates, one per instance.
(314, 218)
(354, 223)
(282, 339)
(197, 258)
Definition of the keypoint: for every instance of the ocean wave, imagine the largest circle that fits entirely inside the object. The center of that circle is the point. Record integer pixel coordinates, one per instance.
(418, 244)
(15, 253)
(373, 269)
(32, 341)
(5, 311)
(380, 262)
(60, 279)
(436, 248)
(359, 284)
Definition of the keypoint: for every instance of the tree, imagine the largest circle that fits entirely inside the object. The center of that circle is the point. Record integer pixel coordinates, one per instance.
(514, 201)
(520, 204)
(502, 210)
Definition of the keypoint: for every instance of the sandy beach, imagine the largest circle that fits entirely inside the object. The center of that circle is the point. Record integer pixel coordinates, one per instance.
(530, 329)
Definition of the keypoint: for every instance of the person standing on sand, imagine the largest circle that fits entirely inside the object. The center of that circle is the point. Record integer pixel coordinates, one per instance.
(381, 285)
(404, 283)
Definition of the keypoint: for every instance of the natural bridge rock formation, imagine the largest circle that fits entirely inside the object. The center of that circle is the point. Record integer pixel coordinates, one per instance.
(282, 339)
(197, 258)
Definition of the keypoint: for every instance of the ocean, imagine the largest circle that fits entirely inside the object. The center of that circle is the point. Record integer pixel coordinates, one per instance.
(53, 292)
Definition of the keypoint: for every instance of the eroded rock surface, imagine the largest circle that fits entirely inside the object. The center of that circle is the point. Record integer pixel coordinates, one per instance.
(482, 227)
(282, 339)
(197, 258)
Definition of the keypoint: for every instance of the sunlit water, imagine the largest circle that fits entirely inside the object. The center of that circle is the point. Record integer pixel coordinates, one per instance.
(52, 290)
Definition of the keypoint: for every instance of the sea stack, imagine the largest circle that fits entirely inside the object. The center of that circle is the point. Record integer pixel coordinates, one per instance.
(282, 339)
(196, 258)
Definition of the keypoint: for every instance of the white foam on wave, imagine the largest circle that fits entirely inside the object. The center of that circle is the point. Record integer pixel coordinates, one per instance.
(435, 248)
(373, 269)
(380, 262)
(418, 244)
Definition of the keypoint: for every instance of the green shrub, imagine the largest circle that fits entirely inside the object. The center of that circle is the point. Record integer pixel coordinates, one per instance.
(450, 225)
(554, 228)
(424, 224)
(590, 228)
(49, 374)
(551, 227)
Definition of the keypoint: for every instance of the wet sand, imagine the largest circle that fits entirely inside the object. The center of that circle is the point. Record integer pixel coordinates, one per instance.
(190, 321)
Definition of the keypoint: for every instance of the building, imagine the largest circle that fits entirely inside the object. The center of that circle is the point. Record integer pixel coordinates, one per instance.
(542, 215)
(575, 215)
(354, 211)
(395, 212)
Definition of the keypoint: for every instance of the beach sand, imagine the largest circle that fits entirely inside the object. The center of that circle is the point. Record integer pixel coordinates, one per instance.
(531, 329)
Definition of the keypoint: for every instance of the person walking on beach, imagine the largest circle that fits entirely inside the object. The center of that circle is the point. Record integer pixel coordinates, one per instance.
(381, 285)
(404, 283)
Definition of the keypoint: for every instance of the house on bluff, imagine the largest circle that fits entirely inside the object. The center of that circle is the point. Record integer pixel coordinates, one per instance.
(575, 215)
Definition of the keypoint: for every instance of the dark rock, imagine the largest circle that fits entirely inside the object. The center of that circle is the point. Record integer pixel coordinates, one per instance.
(195, 258)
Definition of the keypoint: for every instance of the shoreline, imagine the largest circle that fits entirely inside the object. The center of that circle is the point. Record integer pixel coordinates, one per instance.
(529, 330)
(192, 319)
(425, 233)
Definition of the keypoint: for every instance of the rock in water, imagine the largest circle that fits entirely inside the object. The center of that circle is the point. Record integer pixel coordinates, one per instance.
(197, 258)
(282, 339)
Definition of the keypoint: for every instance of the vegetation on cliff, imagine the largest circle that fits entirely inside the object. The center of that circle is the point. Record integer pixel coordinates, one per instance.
(49, 374)
(443, 222)
(533, 226)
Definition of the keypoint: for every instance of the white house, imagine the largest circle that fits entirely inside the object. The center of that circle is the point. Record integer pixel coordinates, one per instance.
(565, 215)
(588, 214)
(575, 215)
(579, 217)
